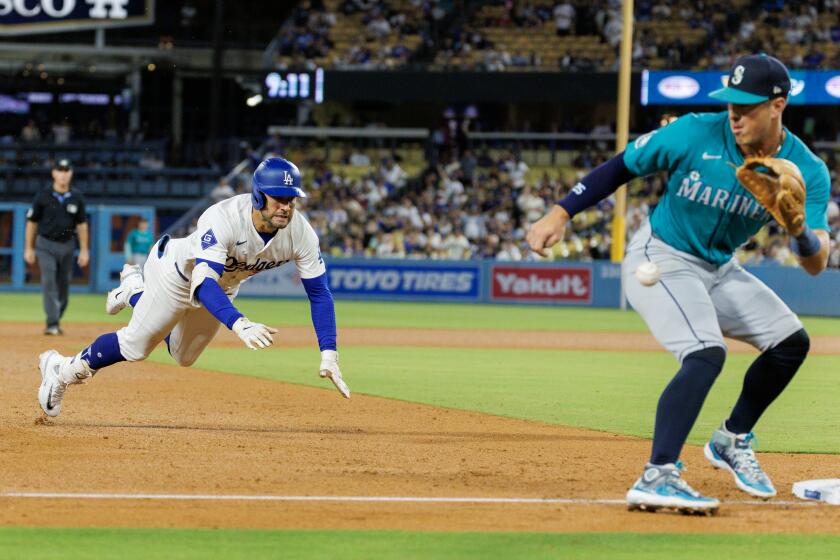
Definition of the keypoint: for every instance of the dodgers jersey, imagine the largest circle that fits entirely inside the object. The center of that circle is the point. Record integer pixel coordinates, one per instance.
(226, 235)
(704, 210)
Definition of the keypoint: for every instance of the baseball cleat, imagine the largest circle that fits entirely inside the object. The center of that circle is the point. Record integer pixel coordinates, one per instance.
(734, 453)
(131, 282)
(52, 388)
(662, 487)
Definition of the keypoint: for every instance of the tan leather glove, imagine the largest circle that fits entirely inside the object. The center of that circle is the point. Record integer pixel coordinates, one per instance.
(778, 185)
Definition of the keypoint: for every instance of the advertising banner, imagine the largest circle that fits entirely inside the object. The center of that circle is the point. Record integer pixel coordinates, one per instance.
(561, 283)
(26, 17)
(556, 284)
(405, 280)
(808, 87)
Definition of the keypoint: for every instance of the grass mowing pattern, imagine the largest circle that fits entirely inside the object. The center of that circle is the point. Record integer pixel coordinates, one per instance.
(90, 308)
(186, 544)
(573, 388)
(609, 391)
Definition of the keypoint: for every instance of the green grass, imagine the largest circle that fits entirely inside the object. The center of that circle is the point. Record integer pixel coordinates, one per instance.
(576, 388)
(87, 308)
(184, 544)
(610, 391)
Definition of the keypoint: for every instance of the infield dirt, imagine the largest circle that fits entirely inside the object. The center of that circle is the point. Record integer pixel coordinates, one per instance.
(150, 428)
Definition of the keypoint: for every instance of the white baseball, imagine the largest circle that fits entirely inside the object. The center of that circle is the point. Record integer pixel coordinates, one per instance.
(647, 273)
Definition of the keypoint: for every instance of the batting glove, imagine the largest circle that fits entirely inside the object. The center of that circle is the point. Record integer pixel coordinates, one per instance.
(329, 368)
(254, 335)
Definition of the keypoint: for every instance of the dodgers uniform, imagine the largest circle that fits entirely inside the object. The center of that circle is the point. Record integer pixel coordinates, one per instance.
(188, 285)
(701, 218)
(225, 235)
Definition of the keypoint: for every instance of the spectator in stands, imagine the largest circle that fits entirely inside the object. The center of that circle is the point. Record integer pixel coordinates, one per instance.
(222, 191)
(394, 175)
(509, 251)
(456, 245)
(61, 132)
(138, 243)
(379, 27)
(30, 132)
(612, 28)
(359, 158)
(531, 205)
(564, 18)
(814, 58)
(56, 218)
(516, 170)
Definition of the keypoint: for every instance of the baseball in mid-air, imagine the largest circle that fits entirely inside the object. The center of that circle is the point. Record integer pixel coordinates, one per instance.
(647, 273)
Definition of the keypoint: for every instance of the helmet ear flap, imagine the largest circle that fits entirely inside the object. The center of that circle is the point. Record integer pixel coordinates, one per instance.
(257, 198)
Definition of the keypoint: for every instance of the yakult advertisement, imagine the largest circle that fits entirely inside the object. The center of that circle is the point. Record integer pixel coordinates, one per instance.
(572, 285)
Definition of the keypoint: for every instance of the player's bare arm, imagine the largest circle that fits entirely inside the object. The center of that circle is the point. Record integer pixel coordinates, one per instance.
(84, 253)
(29, 244)
(548, 230)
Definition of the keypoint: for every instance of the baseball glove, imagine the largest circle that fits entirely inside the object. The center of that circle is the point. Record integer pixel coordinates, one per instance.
(778, 185)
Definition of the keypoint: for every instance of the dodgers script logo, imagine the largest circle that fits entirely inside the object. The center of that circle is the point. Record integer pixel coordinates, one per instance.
(233, 265)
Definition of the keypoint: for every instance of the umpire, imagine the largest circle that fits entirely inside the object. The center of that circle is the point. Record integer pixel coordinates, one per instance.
(57, 214)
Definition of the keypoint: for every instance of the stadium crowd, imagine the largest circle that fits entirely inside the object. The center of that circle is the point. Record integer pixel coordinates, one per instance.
(480, 206)
(502, 34)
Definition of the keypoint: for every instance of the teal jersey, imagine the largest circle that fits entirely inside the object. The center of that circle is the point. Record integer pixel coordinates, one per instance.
(704, 210)
(139, 242)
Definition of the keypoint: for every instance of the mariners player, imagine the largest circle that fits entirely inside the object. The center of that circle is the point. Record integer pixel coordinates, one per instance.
(702, 217)
(188, 285)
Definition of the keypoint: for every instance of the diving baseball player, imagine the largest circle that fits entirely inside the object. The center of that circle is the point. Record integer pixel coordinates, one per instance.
(703, 293)
(187, 287)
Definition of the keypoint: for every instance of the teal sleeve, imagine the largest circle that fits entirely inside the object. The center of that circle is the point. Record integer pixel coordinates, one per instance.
(817, 193)
(661, 149)
(129, 242)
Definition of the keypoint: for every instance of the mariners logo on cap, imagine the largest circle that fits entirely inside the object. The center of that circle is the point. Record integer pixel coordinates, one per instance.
(737, 75)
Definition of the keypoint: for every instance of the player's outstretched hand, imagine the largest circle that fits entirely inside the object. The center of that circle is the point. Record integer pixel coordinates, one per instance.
(329, 368)
(254, 335)
(548, 230)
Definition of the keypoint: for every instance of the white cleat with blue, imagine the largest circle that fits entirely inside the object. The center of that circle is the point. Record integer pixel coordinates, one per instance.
(734, 453)
(662, 487)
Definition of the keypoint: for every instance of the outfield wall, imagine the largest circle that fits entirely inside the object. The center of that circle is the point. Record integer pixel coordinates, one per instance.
(595, 284)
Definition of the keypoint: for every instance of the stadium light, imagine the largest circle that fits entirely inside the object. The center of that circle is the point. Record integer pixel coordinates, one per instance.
(254, 100)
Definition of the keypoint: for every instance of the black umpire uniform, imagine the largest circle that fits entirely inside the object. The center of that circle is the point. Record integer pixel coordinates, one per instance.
(57, 215)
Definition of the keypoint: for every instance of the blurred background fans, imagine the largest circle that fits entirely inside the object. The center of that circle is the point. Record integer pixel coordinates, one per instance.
(430, 129)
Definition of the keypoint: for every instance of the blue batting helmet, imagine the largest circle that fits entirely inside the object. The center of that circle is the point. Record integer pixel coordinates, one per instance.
(275, 176)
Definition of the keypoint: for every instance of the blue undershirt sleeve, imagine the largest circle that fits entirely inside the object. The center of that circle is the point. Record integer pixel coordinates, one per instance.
(600, 183)
(323, 310)
(214, 299)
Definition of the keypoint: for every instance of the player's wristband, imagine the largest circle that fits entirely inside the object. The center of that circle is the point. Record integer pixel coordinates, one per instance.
(806, 243)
